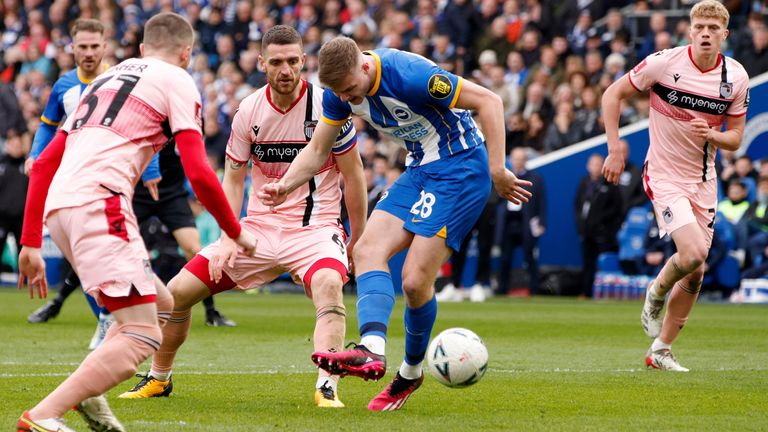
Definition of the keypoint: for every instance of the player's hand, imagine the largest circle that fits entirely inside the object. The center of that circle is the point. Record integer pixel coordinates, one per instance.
(32, 268)
(151, 186)
(28, 165)
(247, 241)
(613, 166)
(700, 128)
(512, 188)
(226, 253)
(272, 194)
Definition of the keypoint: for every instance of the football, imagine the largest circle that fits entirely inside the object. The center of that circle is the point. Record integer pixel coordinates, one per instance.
(457, 358)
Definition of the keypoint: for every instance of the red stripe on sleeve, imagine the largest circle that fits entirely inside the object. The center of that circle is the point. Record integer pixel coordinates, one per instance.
(633, 84)
(40, 179)
(204, 182)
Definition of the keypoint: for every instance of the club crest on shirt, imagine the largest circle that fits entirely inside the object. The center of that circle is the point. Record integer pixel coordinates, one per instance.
(726, 89)
(309, 128)
(667, 215)
(439, 86)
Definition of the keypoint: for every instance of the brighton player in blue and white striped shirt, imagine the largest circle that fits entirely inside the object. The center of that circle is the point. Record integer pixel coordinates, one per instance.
(429, 209)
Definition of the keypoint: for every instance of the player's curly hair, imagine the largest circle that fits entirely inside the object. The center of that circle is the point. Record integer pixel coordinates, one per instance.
(711, 9)
(338, 57)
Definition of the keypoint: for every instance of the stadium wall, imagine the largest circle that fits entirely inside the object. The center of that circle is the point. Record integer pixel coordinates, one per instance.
(562, 170)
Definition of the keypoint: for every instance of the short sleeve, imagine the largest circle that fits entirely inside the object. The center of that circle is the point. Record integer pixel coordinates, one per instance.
(239, 144)
(741, 101)
(346, 140)
(54, 110)
(425, 83)
(335, 112)
(648, 71)
(184, 104)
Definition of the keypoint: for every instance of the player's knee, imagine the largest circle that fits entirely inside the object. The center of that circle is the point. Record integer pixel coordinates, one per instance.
(184, 292)
(164, 308)
(415, 285)
(326, 285)
(138, 342)
(692, 259)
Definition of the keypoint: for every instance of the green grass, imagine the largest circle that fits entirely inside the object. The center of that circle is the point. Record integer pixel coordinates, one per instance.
(555, 364)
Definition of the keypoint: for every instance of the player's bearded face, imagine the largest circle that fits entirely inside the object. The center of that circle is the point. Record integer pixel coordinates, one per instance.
(283, 64)
(708, 34)
(88, 49)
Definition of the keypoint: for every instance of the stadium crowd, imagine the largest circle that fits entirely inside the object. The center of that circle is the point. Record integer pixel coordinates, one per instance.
(548, 60)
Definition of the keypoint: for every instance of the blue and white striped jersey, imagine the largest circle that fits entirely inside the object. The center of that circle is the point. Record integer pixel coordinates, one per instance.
(412, 102)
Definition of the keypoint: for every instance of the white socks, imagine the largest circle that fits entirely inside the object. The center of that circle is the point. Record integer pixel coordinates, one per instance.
(160, 376)
(658, 344)
(375, 344)
(410, 372)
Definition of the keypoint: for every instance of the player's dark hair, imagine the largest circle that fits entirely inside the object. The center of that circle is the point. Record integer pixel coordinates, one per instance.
(280, 35)
(87, 25)
(168, 31)
(338, 58)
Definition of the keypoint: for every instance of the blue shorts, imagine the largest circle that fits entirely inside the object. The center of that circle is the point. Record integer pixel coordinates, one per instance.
(443, 198)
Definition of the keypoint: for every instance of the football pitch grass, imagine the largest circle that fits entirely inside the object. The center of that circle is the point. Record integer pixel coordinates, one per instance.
(555, 364)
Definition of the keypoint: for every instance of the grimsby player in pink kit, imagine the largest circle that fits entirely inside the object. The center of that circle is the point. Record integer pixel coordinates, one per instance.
(302, 236)
(88, 174)
(694, 89)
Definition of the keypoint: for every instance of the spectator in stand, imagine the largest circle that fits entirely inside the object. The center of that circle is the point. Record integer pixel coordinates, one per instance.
(587, 118)
(534, 136)
(494, 38)
(593, 63)
(757, 223)
(598, 209)
(517, 128)
(517, 73)
(529, 47)
(509, 93)
(658, 23)
(614, 28)
(734, 208)
(536, 100)
(562, 132)
(577, 37)
(657, 251)
(444, 53)
(522, 225)
(631, 183)
(13, 189)
(755, 58)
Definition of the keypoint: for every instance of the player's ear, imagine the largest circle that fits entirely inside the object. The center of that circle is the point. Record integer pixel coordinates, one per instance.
(141, 49)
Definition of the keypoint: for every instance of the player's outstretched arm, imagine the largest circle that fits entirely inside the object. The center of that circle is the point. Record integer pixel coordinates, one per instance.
(303, 167)
(611, 107)
(490, 110)
(355, 195)
(729, 139)
(31, 263)
(206, 186)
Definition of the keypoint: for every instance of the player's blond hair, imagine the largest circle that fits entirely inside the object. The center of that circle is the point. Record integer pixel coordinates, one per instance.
(711, 9)
(338, 58)
(168, 31)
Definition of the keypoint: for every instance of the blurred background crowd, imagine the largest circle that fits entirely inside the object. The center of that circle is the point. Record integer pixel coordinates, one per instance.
(548, 60)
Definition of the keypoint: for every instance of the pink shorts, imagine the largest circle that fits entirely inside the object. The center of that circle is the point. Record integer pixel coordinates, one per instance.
(300, 251)
(102, 242)
(679, 204)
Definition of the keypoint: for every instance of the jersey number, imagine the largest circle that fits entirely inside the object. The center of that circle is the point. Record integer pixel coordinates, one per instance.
(128, 83)
(423, 206)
